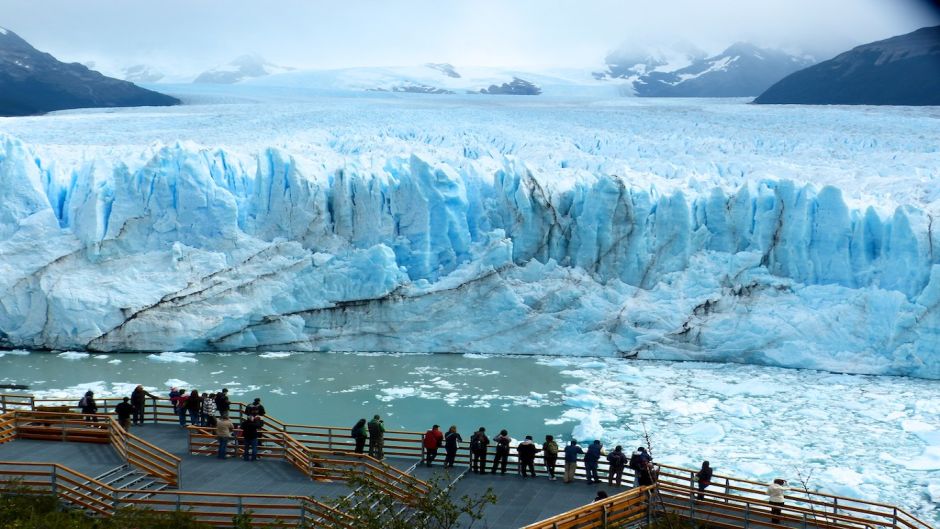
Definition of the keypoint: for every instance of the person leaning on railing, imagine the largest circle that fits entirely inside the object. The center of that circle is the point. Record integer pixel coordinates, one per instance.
(452, 441)
(139, 402)
(775, 497)
(124, 410)
(550, 456)
(478, 443)
(377, 438)
(224, 431)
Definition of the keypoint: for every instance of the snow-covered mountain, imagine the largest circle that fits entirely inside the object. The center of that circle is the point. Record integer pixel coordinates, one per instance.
(741, 70)
(33, 82)
(142, 73)
(631, 61)
(244, 67)
(443, 78)
(902, 70)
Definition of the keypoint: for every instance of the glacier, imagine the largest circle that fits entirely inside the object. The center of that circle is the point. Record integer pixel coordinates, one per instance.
(414, 241)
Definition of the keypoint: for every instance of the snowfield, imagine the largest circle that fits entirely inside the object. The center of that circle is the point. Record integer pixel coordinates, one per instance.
(260, 218)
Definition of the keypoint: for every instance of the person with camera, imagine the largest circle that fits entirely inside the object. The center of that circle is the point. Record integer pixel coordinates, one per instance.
(776, 492)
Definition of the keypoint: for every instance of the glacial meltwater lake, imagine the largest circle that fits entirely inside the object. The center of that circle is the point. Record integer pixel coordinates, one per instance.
(856, 435)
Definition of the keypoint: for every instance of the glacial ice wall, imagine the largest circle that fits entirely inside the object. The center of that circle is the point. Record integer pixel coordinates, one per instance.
(197, 249)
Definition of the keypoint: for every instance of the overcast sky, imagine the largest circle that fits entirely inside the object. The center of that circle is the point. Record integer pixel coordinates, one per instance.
(192, 35)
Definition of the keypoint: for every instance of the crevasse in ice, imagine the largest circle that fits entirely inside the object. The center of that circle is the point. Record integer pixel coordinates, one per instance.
(197, 250)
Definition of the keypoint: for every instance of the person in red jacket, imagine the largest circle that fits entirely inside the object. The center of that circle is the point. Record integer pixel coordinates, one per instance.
(433, 439)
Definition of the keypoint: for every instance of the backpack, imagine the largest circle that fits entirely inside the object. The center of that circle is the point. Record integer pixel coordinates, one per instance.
(635, 461)
(476, 443)
(82, 403)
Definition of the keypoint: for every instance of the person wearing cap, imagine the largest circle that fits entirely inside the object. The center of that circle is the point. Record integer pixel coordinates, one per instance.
(377, 437)
(526, 451)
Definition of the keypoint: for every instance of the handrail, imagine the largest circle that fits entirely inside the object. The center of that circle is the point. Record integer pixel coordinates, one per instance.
(209, 507)
(336, 441)
(620, 508)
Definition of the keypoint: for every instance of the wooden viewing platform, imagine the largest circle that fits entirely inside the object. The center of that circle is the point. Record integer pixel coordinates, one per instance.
(302, 471)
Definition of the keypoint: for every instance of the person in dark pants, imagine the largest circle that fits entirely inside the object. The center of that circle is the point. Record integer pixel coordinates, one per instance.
(89, 407)
(124, 411)
(222, 403)
(527, 451)
(452, 442)
(550, 456)
(591, 458)
(139, 402)
(502, 452)
(193, 406)
(704, 479)
(250, 428)
(377, 438)
(478, 444)
(360, 433)
(616, 461)
(776, 494)
(433, 440)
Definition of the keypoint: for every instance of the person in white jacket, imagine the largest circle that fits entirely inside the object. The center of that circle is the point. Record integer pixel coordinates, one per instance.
(775, 496)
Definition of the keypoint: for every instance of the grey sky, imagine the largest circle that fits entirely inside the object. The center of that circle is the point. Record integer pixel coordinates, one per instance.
(192, 35)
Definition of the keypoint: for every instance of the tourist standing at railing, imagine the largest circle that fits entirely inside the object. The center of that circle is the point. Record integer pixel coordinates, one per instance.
(638, 460)
(193, 407)
(571, 460)
(209, 411)
(502, 452)
(776, 493)
(359, 434)
(139, 402)
(704, 477)
(175, 399)
(478, 443)
(452, 441)
(591, 458)
(377, 437)
(550, 456)
(88, 406)
(255, 408)
(433, 441)
(251, 427)
(181, 406)
(224, 430)
(124, 410)
(527, 451)
(616, 461)
(648, 473)
(222, 404)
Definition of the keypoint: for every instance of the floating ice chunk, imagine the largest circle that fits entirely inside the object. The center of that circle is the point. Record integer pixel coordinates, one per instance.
(274, 355)
(928, 460)
(928, 432)
(595, 364)
(15, 352)
(762, 470)
(115, 361)
(933, 490)
(589, 428)
(705, 432)
(390, 394)
(73, 355)
(738, 409)
(217, 372)
(173, 357)
(176, 383)
(476, 356)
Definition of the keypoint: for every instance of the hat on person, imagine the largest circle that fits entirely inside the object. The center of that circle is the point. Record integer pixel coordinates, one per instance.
(376, 416)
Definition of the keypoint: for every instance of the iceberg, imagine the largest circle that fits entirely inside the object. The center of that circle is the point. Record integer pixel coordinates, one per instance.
(476, 251)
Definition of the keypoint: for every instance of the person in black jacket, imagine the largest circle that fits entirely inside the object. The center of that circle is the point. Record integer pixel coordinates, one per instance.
(124, 411)
(139, 402)
(222, 404)
(452, 442)
(616, 461)
(502, 452)
(88, 406)
(360, 433)
(250, 432)
(478, 444)
(527, 451)
(193, 406)
(704, 479)
(255, 408)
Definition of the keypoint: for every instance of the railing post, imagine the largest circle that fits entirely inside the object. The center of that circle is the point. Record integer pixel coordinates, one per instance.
(239, 505)
(747, 515)
(894, 519)
(54, 483)
(153, 403)
(692, 509)
(727, 488)
(303, 512)
(804, 520)
(603, 516)
(835, 506)
(649, 508)
(329, 437)
(177, 502)
(114, 499)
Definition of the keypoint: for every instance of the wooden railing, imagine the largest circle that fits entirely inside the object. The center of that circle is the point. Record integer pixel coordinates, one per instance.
(15, 401)
(60, 426)
(319, 464)
(331, 442)
(7, 427)
(216, 509)
(621, 510)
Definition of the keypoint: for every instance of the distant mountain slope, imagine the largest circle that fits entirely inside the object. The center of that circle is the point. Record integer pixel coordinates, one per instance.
(33, 82)
(903, 70)
(741, 70)
(244, 67)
